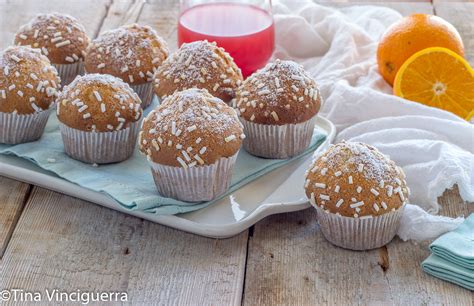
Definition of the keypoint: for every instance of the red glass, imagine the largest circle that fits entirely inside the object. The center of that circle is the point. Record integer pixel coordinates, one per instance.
(245, 29)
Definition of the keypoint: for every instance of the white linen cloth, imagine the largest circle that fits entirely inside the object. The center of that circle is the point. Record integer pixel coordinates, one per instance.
(338, 48)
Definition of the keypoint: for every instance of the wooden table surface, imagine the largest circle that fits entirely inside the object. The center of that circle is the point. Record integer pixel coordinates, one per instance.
(49, 240)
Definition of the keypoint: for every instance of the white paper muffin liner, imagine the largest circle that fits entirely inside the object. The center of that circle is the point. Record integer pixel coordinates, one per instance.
(145, 92)
(99, 147)
(15, 128)
(68, 72)
(359, 233)
(277, 141)
(196, 184)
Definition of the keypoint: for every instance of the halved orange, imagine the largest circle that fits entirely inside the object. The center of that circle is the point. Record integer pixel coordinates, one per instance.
(437, 77)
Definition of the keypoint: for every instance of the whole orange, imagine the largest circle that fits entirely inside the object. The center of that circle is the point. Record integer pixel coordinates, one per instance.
(410, 35)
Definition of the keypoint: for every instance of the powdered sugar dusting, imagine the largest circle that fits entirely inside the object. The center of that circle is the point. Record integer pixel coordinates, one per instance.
(282, 90)
(132, 52)
(193, 120)
(199, 64)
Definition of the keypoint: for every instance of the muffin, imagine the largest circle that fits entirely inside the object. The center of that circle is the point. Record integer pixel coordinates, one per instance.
(59, 37)
(191, 142)
(277, 106)
(199, 64)
(28, 87)
(99, 119)
(359, 194)
(132, 53)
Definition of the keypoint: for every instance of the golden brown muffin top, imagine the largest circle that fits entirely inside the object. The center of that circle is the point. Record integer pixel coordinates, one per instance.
(131, 52)
(60, 37)
(199, 64)
(98, 103)
(28, 81)
(354, 179)
(191, 128)
(280, 93)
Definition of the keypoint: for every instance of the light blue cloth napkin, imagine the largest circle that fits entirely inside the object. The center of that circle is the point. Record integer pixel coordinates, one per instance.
(457, 246)
(130, 182)
(453, 256)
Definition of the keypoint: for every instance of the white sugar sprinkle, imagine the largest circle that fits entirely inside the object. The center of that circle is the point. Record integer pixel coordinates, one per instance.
(324, 197)
(97, 96)
(376, 207)
(320, 185)
(63, 43)
(186, 156)
(275, 116)
(359, 189)
(357, 204)
(384, 205)
(83, 108)
(381, 184)
(350, 179)
(375, 192)
(15, 58)
(360, 168)
(337, 174)
(230, 138)
(181, 161)
(337, 188)
(389, 190)
(339, 203)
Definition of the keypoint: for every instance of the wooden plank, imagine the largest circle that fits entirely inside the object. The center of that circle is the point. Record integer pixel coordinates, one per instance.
(13, 196)
(290, 262)
(461, 16)
(69, 244)
(163, 18)
(122, 12)
(89, 13)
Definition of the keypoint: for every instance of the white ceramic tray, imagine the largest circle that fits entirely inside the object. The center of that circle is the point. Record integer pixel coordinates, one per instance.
(279, 191)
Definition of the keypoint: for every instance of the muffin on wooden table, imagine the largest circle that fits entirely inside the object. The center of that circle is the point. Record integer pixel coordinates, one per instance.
(199, 64)
(61, 38)
(132, 53)
(99, 119)
(28, 88)
(359, 194)
(277, 106)
(191, 141)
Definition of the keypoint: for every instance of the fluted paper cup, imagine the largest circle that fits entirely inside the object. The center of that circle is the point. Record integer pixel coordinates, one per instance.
(68, 72)
(99, 147)
(277, 141)
(145, 92)
(196, 184)
(15, 128)
(359, 233)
